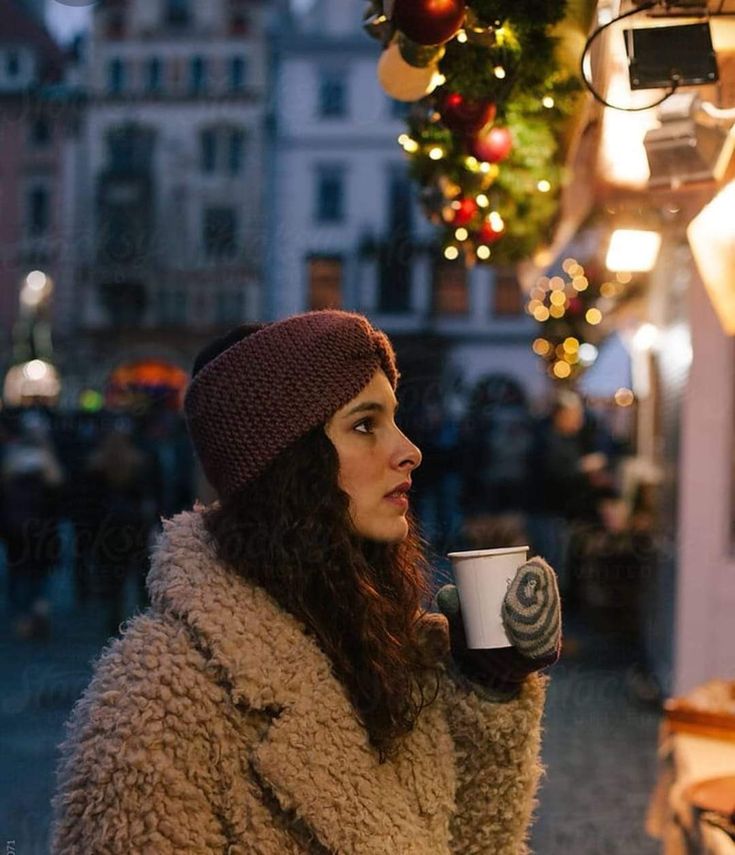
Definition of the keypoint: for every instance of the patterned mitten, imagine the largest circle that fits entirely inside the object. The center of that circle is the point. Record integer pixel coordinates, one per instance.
(532, 619)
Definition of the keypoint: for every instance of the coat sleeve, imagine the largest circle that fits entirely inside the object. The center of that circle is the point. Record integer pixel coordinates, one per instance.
(496, 746)
(133, 774)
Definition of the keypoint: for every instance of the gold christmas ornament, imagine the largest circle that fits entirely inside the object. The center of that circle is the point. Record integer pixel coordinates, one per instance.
(402, 81)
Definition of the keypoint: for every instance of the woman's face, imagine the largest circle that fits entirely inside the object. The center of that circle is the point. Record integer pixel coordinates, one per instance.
(375, 460)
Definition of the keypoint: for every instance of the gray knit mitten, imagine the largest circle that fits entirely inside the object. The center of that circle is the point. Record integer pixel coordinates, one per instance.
(532, 619)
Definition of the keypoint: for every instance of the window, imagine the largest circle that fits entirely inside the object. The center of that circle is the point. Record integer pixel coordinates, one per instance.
(222, 150)
(116, 24)
(40, 132)
(397, 250)
(238, 17)
(130, 147)
(507, 297)
(178, 12)
(451, 292)
(324, 281)
(220, 226)
(237, 73)
(332, 94)
(171, 306)
(208, 150)
(197, 75)
(236, 146)
(38, 211)
(12, 64)
(329, 194)
(229, 307)
(153, 74)
(115, 76)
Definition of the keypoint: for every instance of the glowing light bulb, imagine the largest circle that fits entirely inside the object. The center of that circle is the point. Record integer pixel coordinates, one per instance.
(593, 316)
(543, 186)
(451, 253)
(562, 370)
(558, 298)
(624, 397)
(483, 252)
(496, 221)
(461, 234)
(541, 314)
(36, 280)
(587, 353)
(482, 200)
(436, 153)
(461, 37)
(547, 101)
(499, 72)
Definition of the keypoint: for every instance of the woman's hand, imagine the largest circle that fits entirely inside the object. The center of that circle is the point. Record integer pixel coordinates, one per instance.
(531, 614)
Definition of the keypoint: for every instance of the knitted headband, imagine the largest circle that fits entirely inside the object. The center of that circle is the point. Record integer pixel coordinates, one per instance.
(253, 400)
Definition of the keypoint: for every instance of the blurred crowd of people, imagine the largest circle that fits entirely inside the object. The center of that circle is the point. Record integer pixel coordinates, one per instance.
(500, 473)
(106, 480)
(494, 473)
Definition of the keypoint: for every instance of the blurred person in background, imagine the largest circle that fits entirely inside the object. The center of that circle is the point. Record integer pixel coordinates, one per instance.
(116, 478)
(564, 468)
(289, 690)
(496, 441)
(75, 439)
(31, 480)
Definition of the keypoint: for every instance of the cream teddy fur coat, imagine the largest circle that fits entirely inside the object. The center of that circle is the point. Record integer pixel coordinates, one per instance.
(215, 725)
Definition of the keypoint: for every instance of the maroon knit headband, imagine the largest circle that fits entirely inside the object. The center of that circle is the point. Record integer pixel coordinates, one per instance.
(262, 393)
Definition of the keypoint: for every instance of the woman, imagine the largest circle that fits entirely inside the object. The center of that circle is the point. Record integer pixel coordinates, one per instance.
(287, 692)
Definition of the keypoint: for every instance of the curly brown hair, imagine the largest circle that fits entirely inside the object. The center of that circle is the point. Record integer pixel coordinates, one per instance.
(290, 532)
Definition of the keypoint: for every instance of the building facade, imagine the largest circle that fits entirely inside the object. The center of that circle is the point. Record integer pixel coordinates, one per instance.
(347, 230)
(34, 116)
(167, 178)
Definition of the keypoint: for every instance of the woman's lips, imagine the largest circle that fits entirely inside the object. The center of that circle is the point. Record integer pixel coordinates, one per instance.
(398, 499)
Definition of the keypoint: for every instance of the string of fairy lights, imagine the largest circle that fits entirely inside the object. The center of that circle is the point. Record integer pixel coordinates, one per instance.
(571, 309)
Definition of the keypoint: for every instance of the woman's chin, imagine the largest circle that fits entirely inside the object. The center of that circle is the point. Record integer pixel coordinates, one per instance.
(390, 532)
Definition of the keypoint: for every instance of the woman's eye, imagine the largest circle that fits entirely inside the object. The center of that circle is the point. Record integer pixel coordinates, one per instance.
(367, 424)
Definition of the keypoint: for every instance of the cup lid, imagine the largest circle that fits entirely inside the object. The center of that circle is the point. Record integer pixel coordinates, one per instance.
(478, 553)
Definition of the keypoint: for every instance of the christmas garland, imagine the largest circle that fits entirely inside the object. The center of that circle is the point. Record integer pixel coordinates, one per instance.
(492, 96)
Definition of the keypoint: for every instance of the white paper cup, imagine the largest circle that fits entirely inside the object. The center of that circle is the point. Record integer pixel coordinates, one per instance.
(483, 577)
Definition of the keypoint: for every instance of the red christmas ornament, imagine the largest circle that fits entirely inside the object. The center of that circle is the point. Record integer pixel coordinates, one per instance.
(487, 234)
(493, 146)
(429, 22)
(575, 306)
(466, 115)
(465, 212)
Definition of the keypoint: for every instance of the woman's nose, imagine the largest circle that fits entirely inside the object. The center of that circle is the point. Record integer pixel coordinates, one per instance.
(408, 455)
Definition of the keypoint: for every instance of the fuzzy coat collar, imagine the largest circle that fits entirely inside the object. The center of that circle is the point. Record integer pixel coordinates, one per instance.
(315, 757)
